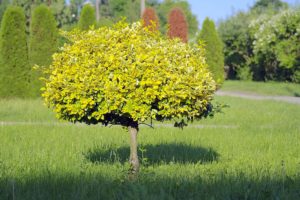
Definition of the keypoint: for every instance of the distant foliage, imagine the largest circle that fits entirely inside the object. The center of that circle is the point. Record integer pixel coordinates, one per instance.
(150, 19)
(43, 43)
(262, 5)
(238, 43)
(14, 68)
(87, 17)
(276, 45)
(214, 50)
(178, 27)
(133, 76)
(263, 42)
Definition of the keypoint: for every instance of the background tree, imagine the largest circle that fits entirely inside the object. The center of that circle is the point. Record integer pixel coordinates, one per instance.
(150, 19)
(87, 17)
(276, 46)
(178, 27)
(124, 8)
(262, 5)
(3, 6)
(146, 77)
(14, 68)
(214, 50)
(164, 8)
(240, 36)
(237, 40)
(43, 42)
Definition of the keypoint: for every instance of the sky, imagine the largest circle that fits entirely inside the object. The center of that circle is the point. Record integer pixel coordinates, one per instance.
(221, 9)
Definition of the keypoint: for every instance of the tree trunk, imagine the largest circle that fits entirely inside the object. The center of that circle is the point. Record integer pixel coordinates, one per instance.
(142, 7)
(133, 159)
(97, 10)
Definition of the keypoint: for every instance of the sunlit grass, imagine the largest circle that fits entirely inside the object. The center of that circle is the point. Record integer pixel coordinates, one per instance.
(263, 88)
(255, 157)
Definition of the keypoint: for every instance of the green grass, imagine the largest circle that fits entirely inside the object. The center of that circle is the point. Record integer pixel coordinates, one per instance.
(263, 88)
(249, 152)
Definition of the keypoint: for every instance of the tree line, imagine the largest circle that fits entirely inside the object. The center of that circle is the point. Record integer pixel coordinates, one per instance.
(263, 43)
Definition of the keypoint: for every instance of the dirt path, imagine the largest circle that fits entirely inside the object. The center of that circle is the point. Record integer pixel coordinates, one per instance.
(288, 99)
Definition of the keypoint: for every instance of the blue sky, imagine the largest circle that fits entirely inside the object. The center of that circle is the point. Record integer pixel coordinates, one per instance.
(220, 9)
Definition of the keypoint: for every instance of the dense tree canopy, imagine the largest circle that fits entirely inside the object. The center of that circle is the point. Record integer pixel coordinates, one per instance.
(178, 27)
(164, 8)
(14, 68)
(135, 74)
(262, 44)
(150, 19)
(43, 43)
(214, 49)
(262, 5)
(87, 17)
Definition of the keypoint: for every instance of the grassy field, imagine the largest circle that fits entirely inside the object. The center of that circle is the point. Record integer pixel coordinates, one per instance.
(268, 88)
(251, 151)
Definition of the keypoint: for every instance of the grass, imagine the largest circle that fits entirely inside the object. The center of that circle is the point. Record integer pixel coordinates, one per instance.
(249, 152)
(263, 88)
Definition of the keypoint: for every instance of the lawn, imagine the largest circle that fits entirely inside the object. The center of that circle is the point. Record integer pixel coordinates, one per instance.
(263, 88)
(251, 151)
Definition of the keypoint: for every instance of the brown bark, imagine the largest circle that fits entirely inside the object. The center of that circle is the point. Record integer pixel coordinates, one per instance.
(133, 159)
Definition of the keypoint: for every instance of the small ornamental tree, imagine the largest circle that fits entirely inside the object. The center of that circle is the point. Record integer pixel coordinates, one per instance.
(87, 17)
(150, 19)
(14, 68)
(178, 27)
(126, 75)
(214, 50)
(43, 43)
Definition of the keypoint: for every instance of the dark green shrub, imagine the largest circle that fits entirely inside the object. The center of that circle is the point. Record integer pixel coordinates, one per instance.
(14, 68)
(87, 17)
(214, 50)
(42, 44)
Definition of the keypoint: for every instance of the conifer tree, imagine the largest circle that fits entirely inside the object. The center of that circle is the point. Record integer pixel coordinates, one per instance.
(150, 19)
(178, 27)
(214, 50)
(14, 68)
(87, 17)
(43, 43)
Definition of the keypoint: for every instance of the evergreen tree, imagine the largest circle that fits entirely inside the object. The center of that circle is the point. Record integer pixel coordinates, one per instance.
(150, 19)
(43, 43)
(14, 68)
(214, 50)
(87, 17)
(178, 27)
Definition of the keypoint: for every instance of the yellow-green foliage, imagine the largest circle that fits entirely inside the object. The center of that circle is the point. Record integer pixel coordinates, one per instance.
(109, 75)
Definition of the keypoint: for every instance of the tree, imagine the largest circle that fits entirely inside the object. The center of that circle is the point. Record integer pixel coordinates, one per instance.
(124, 8)
(276, 46)
(43, 42)
(150, 19)
(14, 68)
(238, 43)
(164, 8)
(129, 78)
(262, 5)
(178, 27)
(214, 50)
(87, 17)
(3, 6)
